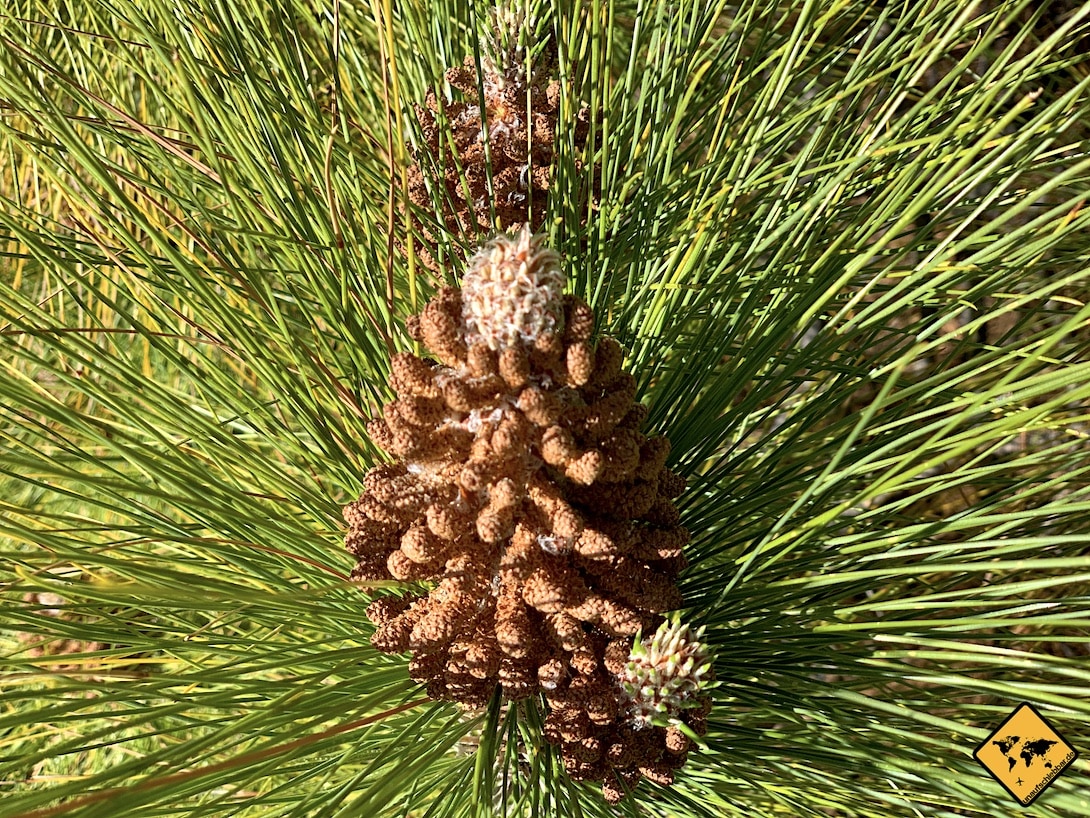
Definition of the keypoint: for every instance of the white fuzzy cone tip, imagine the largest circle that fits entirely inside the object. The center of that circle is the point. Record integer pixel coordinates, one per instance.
(512, 291)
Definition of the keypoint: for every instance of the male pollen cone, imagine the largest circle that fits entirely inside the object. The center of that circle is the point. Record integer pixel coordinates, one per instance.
(523, 492)
(487, 154)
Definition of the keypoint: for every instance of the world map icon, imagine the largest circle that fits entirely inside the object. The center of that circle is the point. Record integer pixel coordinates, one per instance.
(1031, 749)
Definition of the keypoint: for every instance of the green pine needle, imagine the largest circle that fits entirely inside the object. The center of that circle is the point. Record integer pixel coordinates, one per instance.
(844, 244)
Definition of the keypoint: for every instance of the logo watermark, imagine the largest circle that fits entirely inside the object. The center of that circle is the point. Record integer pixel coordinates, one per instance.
(1025, 754)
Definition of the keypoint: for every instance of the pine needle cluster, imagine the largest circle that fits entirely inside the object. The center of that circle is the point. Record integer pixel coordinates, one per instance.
(842, 253)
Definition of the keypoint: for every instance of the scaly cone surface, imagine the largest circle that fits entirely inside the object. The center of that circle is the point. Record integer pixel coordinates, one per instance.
(524, 492)
(514, 112)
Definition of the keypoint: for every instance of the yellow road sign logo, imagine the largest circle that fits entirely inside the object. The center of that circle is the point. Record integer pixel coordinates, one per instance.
(1025, 754)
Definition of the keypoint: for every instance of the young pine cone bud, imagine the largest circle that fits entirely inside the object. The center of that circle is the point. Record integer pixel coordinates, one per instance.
(666, 673)
(513, 41)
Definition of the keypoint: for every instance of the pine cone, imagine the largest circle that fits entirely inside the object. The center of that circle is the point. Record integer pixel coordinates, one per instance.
(524, 492)
(512, 107)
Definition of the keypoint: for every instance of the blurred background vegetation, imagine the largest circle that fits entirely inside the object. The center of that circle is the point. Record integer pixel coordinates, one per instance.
(844, 244)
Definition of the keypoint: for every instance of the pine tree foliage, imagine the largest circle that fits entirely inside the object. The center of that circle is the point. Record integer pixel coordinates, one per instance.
(844, 245)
